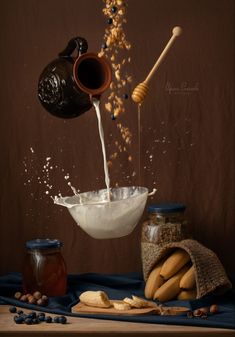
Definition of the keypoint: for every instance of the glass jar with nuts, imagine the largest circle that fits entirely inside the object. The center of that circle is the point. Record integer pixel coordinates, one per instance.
(166, 223)
(44, 270)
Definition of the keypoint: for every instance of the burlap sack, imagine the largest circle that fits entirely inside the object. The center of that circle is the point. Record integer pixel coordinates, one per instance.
(210, 274)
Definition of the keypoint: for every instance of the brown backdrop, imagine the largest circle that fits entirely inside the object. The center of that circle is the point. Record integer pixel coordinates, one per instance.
(187, 124)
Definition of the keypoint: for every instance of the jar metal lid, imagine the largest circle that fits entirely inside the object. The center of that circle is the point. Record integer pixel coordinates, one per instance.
(166, 208)
(43, 244)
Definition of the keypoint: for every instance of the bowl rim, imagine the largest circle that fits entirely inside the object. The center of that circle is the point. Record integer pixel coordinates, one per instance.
(100, 203)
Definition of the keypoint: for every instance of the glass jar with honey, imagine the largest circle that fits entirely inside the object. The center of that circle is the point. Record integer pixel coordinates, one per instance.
(44, 268)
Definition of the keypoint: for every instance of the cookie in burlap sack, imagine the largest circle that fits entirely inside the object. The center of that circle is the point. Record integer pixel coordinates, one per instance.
(210, 274)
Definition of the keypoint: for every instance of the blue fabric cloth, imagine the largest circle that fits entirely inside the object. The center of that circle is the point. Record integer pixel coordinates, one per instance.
(118, 287)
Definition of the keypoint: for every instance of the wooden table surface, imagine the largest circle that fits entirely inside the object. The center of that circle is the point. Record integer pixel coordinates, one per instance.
(94, 327)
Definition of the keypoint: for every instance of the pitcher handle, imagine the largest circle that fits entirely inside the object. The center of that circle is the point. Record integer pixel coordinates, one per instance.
(78, 43)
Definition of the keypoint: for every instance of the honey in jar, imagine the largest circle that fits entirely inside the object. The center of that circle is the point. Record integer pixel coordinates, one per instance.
(44, 268)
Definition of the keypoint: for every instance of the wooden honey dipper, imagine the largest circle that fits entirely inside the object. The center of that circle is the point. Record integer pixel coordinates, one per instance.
(141, 90)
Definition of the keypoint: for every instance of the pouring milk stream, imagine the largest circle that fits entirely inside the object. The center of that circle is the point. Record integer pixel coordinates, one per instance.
(96, 104)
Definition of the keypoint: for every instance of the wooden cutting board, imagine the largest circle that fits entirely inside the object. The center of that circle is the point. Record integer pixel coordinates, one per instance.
(84, 309)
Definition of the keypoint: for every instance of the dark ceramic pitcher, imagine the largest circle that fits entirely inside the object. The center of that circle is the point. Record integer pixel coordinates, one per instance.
(67, 84)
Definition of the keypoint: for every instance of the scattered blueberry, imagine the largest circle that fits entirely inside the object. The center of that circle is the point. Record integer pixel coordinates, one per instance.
(41, 318)
(48, 319)
(20, 312)
(125, 96)
(32, 314)
(113, 117)
(34, 318)
(114, 9)
(110, 21)
(62, 319)
(24, 316)
(18, 319)
(104, 46)
(28, 321)
(12, 310)
(56, 319)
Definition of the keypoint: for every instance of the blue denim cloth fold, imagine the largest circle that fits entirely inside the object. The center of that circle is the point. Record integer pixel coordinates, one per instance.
(118, 287)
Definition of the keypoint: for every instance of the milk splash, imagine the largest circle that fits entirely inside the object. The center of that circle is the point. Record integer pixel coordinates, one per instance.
(96, 104)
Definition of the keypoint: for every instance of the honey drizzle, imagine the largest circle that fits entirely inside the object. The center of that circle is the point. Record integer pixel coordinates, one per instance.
(139, 142)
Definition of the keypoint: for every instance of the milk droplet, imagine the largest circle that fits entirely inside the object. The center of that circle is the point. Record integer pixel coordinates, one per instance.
(153, 192)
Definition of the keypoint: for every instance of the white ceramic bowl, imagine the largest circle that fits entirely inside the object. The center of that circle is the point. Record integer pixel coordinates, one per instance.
(107, 220)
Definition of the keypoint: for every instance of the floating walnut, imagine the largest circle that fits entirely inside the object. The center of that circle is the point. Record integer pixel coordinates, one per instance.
(114, 47)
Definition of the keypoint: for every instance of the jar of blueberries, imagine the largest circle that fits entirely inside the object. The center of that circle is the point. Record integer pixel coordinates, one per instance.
(44, 268)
